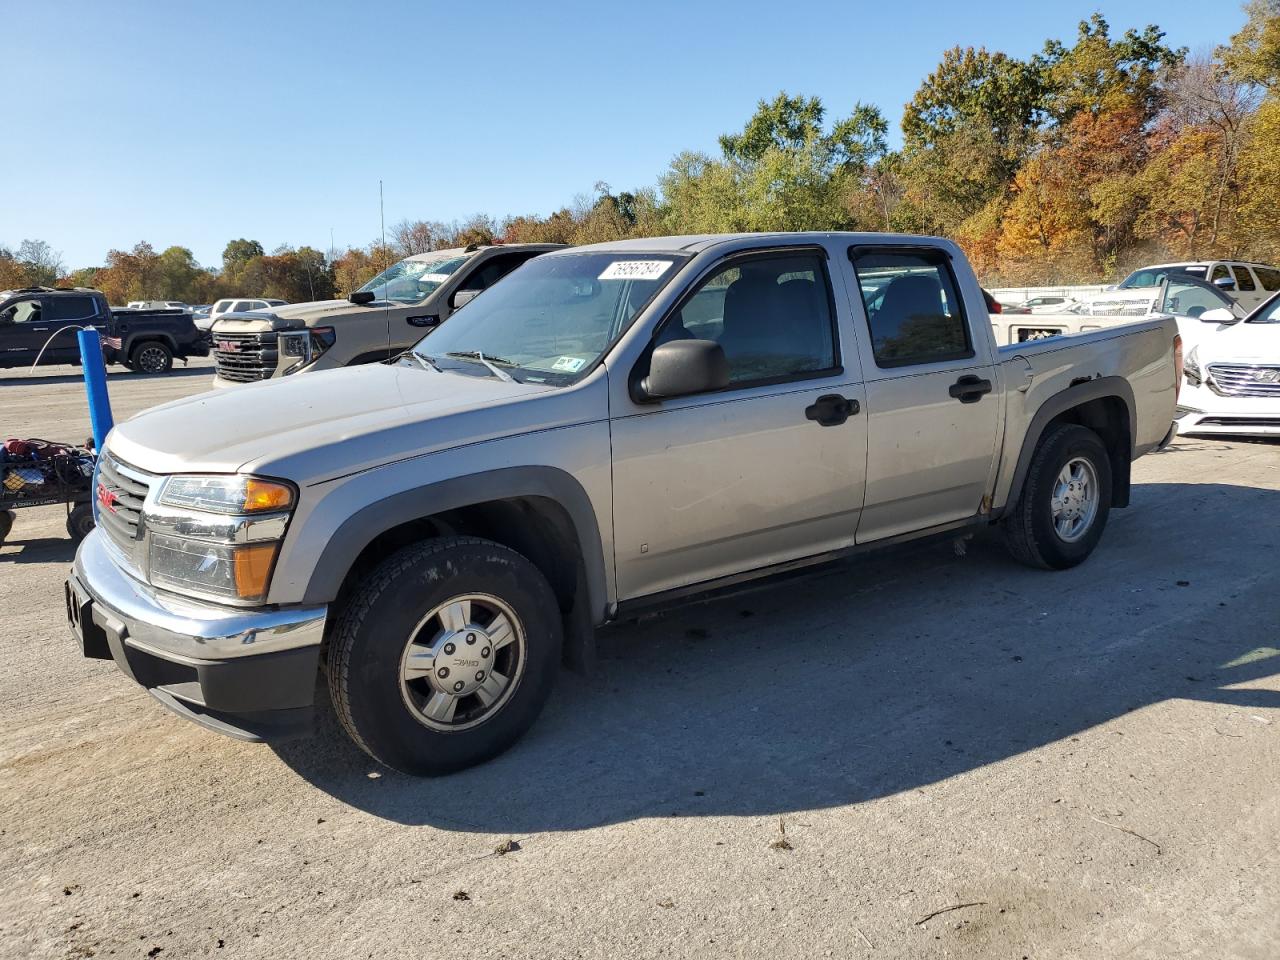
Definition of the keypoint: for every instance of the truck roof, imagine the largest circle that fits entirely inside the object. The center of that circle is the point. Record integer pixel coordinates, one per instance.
(696, 243)
(474, 248)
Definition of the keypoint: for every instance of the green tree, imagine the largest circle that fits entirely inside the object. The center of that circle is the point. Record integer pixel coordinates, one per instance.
(239, 252)
(1253, 56)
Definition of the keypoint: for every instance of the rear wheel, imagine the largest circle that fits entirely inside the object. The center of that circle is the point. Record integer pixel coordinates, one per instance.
(80, 521)
(151, 357)
(444, 655)
(1065, 500)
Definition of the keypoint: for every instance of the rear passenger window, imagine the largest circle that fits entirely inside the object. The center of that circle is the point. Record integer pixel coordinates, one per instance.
(772, 315)
(1270, 279)
(1244, 279)
(72, 308)
(913, 308)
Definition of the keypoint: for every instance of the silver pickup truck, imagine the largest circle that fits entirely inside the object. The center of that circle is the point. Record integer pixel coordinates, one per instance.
(613, 427)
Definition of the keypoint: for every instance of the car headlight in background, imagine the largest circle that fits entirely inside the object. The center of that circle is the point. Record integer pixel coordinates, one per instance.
(1191, 367)
(217, 536)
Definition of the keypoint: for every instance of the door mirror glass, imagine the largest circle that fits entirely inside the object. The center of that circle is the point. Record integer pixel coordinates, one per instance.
(462, 298)
(1218, 315)
(683, 367)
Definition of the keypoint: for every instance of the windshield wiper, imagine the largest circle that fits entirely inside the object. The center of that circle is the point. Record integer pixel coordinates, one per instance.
(487, 361)
(422, 358)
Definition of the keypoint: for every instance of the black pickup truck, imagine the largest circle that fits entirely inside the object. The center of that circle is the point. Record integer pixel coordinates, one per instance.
(145, 341)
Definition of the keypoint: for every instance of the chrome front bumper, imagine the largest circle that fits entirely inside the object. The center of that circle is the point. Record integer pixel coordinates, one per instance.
(247, 673)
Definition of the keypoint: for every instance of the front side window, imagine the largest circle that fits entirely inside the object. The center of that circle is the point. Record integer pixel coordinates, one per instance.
(412, 280)
(551, 320)
(72, 308)
(1269, 313)
(913, 307)
(241, 305)
(1190, 299)
(1220, 272)
(24, 311)
(1244, 279)
(222, 306)
(771, 315)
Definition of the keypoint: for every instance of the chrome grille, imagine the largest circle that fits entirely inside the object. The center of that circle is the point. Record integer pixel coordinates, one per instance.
(121, 492)
(1245, 380)
(245, 357)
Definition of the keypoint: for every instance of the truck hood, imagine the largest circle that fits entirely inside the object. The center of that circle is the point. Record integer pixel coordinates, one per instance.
(294, 316)
(333, 423)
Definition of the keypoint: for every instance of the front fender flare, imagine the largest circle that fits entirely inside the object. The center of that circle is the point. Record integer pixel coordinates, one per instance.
(362, 527)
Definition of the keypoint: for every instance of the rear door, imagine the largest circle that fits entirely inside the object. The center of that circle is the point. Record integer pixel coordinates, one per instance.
(932, 407)
(67, 313)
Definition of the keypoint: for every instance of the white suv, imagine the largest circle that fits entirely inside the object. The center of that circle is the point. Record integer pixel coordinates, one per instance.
(1246, 283)
(205, 322)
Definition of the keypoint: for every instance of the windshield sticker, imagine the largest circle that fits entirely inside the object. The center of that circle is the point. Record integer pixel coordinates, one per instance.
(635, 270)
(433, 278)
(569, 364)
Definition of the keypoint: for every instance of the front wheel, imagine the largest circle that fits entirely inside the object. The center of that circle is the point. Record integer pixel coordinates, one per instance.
(6, 523)
(1065, 500)
(444, 655)
(80, 521)
(151, 357)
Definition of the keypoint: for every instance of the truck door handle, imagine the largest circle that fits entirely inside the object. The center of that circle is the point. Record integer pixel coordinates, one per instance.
(831, 410)
(970, 389)
(428, 321)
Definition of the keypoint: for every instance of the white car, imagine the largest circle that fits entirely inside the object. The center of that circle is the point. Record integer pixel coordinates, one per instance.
(1246, 283)
(157, 305)
(1232, 374)
(205, 322)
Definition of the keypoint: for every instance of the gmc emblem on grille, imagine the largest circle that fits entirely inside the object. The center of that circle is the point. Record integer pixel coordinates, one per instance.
(228, 346)
(106, 499)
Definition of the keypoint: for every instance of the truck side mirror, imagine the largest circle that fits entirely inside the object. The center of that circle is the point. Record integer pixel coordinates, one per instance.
(1218, 315)
(1225, 283)
(462, 297)
(684, 367)
(361, 297)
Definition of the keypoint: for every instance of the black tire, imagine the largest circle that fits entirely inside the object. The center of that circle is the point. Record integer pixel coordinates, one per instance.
(1029, 530)
(151, 356)
(371, 635)
(80, 521)
(6, 523)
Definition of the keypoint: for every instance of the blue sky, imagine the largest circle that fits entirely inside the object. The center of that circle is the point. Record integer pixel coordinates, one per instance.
(192, 123)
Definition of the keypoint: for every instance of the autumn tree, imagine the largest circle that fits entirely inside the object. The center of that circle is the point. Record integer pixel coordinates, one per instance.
(1253, 56)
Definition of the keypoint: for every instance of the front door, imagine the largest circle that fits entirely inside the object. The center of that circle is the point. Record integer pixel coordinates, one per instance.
(932, 407)
(66, 314)
(769, 469)
(23, 330)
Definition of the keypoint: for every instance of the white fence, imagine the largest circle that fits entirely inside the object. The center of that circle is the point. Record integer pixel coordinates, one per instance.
(1010, 296)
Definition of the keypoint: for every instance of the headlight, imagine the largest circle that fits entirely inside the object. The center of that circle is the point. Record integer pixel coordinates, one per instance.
(241, 572)
(226, 494)
(217, 537)
(1191, 367)
(306, 345)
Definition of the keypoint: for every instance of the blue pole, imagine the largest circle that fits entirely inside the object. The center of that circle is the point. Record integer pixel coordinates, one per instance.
(95, 385)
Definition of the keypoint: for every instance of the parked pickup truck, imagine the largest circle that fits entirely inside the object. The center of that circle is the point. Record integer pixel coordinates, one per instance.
(615, 427)
(143, 340)
(1176, 295)
(383, 318)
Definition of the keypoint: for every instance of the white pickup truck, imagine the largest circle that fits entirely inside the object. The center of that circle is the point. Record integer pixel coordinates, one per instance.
(610, 428)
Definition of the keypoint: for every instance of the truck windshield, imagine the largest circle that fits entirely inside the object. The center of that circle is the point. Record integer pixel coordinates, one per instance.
(551, 320)
(411, 280)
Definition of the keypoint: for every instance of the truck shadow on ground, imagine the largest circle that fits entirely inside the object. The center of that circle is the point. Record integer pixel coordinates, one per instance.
(886, 674)
(53, 379)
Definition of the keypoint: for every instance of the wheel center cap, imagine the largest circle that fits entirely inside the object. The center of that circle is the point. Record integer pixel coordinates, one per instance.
(462, 661)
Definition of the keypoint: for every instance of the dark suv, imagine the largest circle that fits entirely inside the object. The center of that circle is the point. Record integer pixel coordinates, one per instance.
(143, 340)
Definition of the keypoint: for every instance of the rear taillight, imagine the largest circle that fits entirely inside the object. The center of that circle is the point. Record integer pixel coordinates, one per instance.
(1177, 367)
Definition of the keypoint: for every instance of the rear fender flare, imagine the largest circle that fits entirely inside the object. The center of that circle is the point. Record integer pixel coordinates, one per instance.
(1075, 396)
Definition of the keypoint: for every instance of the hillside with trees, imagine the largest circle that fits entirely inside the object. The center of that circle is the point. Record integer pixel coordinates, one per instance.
(1073, 165)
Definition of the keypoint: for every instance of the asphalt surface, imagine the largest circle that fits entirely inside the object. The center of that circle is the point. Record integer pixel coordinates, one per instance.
(965, 758)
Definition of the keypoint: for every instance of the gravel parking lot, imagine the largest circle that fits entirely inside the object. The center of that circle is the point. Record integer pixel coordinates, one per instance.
(923, 755)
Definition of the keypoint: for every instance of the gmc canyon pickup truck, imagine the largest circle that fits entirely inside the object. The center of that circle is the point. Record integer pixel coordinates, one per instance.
(615, 427)
(383, 318)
